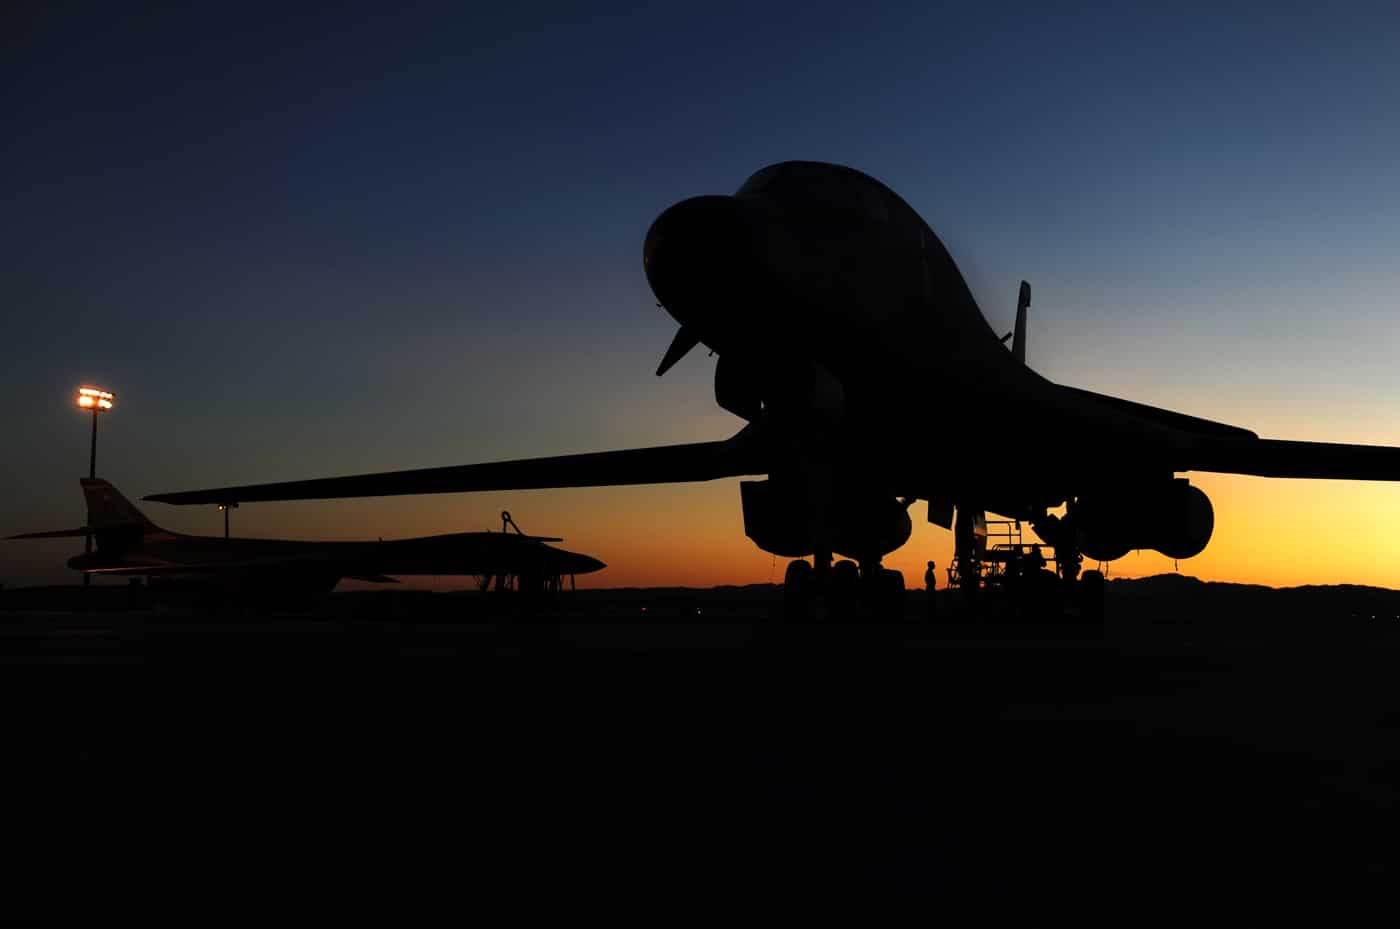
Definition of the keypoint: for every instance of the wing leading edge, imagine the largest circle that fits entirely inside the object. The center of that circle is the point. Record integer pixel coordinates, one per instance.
(738, 456)
(1284, 458)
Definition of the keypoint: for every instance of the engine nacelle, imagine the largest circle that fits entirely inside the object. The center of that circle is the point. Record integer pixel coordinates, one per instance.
(1175, 519)
(777, 519)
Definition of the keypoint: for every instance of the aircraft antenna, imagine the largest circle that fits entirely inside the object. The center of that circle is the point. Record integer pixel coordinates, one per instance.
(1018, 343)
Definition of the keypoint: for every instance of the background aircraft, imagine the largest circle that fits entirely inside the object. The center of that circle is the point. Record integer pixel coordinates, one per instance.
(129, 544)
(839, 319)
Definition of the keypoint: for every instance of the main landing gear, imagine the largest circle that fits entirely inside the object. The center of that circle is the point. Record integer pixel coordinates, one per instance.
(847, 592)
(1010, 579)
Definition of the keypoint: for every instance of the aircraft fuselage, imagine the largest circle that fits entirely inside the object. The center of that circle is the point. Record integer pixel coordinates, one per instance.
(819, 264)
(851, 345)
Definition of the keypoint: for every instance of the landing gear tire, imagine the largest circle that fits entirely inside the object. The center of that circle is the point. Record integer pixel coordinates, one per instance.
(797, 591)
(887, 596)
(843, 593)
(1091, 595)
(1046, 596)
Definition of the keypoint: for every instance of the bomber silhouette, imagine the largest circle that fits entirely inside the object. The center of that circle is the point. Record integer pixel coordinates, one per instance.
(838, 316)
(129, 544)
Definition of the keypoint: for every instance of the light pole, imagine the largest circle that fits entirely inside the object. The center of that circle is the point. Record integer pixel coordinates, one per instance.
(98, 401)
(226, 507)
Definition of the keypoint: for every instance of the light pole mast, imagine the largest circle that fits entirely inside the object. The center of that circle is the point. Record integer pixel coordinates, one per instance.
(96, 400)
(226, 507)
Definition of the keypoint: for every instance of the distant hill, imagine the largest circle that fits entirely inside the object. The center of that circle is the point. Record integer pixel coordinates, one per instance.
(1187, 598)
(1179, 584)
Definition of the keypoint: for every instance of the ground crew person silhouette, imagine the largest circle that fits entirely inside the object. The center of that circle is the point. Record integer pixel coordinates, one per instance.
(930, 582)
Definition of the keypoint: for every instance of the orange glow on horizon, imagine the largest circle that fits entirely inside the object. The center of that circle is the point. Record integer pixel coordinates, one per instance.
(1276, 532)
(1279, 533)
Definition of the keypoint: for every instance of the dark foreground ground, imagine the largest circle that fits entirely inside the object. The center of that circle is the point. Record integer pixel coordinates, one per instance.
(391, 758)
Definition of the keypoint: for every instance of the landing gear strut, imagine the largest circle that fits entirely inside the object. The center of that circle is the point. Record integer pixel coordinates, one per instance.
(969, 545)
(1085, 590)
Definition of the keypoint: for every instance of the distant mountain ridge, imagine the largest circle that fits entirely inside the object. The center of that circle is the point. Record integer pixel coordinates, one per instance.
(1171, 598)
(1183, 582)
(1184, 598)
(1162, 597)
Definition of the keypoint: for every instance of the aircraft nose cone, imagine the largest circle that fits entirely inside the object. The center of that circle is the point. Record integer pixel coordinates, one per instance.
(698, 256)
(574, 563)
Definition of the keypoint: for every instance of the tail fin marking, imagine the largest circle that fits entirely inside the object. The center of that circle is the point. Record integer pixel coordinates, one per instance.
(108, 509)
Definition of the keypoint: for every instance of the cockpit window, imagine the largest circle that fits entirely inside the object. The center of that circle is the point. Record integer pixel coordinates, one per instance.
(814, 186)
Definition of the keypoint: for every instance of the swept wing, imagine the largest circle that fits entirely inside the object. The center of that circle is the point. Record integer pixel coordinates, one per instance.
(737, 456)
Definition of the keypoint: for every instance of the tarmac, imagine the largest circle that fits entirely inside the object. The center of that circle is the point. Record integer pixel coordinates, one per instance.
(401, 763)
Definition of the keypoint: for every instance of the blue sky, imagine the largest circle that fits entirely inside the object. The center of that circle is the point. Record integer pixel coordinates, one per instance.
(385, 237)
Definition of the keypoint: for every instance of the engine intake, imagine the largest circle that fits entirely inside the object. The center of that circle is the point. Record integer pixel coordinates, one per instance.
(738, 388)
(803, 394)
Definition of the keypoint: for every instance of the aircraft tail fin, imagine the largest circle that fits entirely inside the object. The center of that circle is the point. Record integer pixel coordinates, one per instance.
(1018, 343)
(108, 509)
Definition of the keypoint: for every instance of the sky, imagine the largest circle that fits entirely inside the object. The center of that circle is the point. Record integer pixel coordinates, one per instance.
(302, 243)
